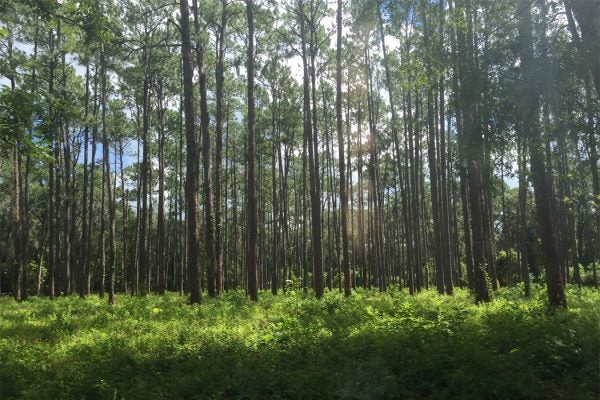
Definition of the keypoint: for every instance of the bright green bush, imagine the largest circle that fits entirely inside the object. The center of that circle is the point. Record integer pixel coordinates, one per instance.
(368, 346)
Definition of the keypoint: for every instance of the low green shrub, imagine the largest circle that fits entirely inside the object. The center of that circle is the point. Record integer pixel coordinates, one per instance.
(292, 346)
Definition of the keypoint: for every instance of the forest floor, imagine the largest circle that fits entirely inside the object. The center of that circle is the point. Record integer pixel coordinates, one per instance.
(370, 346)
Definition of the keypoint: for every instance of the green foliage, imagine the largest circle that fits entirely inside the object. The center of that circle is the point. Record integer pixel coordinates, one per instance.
(368, 346)
(17, 110)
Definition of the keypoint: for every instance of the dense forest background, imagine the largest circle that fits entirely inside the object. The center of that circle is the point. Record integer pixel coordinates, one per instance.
(155, 146)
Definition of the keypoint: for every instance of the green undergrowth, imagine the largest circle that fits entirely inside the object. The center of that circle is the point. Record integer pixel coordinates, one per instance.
(369, 346)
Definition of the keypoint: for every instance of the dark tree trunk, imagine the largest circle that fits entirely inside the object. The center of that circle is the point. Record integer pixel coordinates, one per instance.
(362, 259)
(90, 216)
(444, 189)
(124, 223)
(220, 80)
(252, 212)
(192, 162)
(84, 255)
(523, 254)
(477, 227)
(108, 181)
(209, 231)
(15, 212)
(541, 184)
(275, 212)
(144, 228)
(160, 245)
(313, 158)
(341, 165)
(433, 166)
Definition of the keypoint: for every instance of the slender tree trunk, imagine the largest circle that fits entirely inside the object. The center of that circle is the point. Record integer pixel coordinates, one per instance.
(327, 177)
(412, 138)
(361, 215)
(83, 258)
(58, 193)
(305, 137)
(124, 223)
(192, 162)
(342, 168)
(220, 80)
(160, 245)
(433, 164)
(109, 186)
(234, 225)
(524, 256)
(138, 206)
(313, 155)
(66, 205)
(209, 227)
(181, 202)
(350, 185)
(144, 228)
(376, 232)
(90, 215)
(15, 212)
(443, 173)
(101, 270)
(476, 204)
(275, 212)
(252, 212)
(15, 248)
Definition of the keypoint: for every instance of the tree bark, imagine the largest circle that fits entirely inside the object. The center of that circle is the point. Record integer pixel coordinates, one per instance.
(160, 245)
(209, 230)
(108, 180)
(252, 212)
(341, 163)
(542, 189)
(524, 256)
(192, 162)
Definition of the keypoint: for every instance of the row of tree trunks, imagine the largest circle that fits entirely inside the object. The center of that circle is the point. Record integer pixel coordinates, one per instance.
(541, 182)
(398, 188)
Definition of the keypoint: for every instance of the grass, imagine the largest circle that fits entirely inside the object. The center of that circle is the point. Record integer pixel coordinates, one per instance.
(370, 346)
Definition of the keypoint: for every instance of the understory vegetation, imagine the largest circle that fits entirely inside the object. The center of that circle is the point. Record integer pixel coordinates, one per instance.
(368, 346)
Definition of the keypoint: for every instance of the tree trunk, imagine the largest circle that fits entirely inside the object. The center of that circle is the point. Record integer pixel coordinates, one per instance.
(109, 187)
(542, 189)
(341, 165)
(160, 245)
(275, 212)
(209, 231)
(252, 212)
(144, 228)
(477, 227)
(90, 215)
(192, 162)
(220, 80)
(84, 256)
(524, 256)
(124, 223)
(313, 158)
